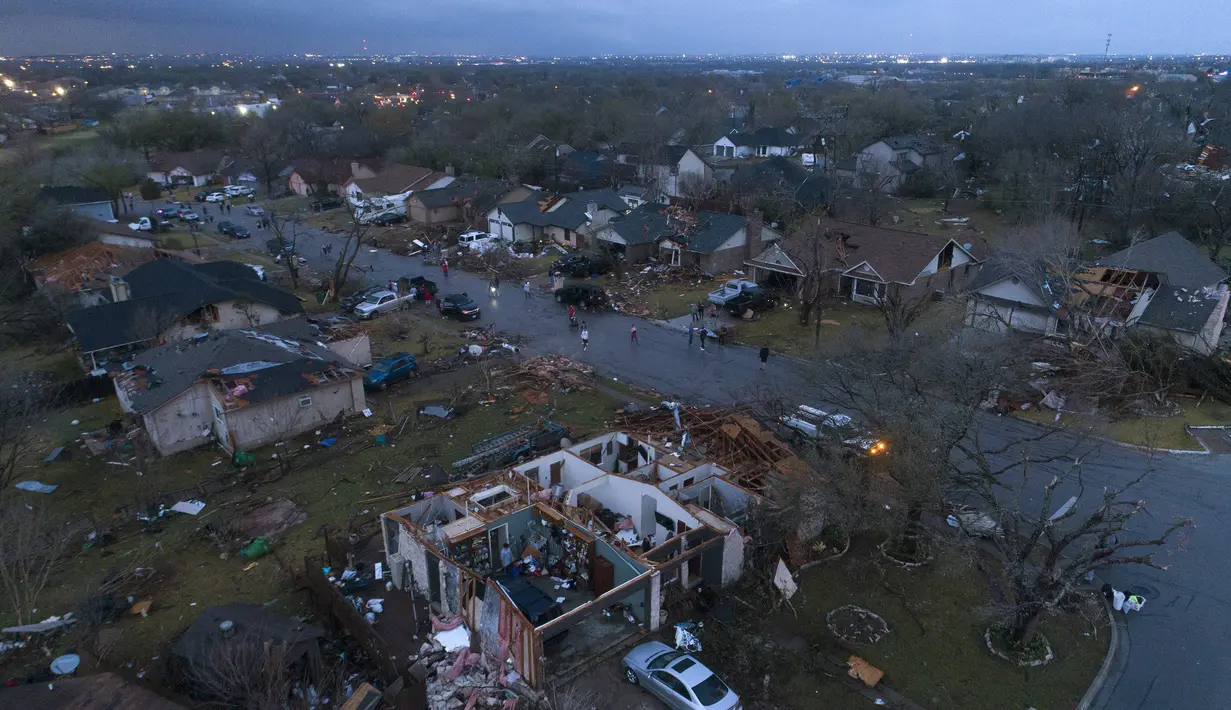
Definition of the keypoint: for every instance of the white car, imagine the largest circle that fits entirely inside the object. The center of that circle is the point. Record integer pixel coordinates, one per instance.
(381, 302)
(237, 190)
(479, 242)
(215, 197)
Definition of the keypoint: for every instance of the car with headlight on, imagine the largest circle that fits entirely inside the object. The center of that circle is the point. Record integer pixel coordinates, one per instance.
(814, 423)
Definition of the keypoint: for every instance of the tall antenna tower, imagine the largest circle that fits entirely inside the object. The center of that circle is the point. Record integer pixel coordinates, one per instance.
(1107, 49)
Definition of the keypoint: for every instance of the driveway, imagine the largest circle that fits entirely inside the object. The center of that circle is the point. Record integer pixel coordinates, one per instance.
(1181, 642)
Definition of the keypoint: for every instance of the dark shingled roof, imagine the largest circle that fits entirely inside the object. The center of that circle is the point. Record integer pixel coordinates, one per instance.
(896, 255)
(569, 215)
(1180, 308)
(74, 195)
(166, 290)
(922, 146)
(781, 176)
(100, 691)
(484, 193)
(648, 224)
(253, 624)
(1172, 256)
(275, 366)
(765, 136)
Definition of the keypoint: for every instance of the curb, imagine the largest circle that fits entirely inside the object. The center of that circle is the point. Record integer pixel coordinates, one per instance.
(1116, 650)
(1205, 450)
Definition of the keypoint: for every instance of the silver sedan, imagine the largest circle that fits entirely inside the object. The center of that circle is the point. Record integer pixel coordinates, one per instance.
(678, 679)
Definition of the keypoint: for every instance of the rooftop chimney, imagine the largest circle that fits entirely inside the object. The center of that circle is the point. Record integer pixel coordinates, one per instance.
(752, 242)
(449, 170)
(119, 290)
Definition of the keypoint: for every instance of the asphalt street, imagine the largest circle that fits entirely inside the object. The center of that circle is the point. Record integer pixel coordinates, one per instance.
(1180, 643)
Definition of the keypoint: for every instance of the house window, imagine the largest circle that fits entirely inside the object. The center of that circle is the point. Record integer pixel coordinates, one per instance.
(305, 401)
(868, 289)
(762, 150)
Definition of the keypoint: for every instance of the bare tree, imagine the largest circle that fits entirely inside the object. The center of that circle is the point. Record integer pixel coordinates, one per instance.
(241, 673)
(278, 422)
(286, 231)
(352, 243)
(901, 306)
(25, 402)
(30, 551)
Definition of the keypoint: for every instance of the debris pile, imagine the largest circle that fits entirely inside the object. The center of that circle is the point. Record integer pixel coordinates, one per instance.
(756, 458)
(631, 295)
(548, 371)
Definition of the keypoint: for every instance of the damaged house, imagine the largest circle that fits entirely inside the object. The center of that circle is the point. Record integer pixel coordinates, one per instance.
(602, 535)
(167, 300)
(1164, 286)
(568, 219)
(713, 241)
(242, 389)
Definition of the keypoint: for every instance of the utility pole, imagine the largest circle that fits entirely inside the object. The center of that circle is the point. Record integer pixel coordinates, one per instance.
(1107, 50)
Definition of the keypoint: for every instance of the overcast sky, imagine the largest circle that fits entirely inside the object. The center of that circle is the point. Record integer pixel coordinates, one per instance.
(580, 27)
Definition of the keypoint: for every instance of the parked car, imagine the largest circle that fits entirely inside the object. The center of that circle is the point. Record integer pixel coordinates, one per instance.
(478, 242)
(348, 303)
(815, 423)
(581, 265)
(226, 226)
(459, 305)
(237, 190)
(677, 678)
(587, 295)
(390, 370)
(215, 197)
(388, 218)
(278, 247)
(189, 216)
(241, 232)
(380, 302)
(200, 196)
(254, 211)
(168, 210)
(756, 300)
(326, 203)
(730, 290)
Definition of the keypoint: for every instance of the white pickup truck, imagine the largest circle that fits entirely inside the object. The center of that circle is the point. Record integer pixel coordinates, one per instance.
(730, 290)
(816, 423)
(381, 302)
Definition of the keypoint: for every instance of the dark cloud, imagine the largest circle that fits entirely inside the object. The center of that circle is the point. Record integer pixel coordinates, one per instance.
(594, 27)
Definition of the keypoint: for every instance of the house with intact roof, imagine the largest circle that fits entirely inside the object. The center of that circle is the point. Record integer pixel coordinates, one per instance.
(889, 161)
(465, 199)
(761, 143)
(168, 300)
(240, 388)
(874, 261)
(194, 168)
(713, 241)
(565, 219)
(1164, 286)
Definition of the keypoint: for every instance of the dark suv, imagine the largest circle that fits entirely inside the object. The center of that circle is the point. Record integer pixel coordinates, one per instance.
(459, 306)
(586, 295)
(581, 265)
(326, 203)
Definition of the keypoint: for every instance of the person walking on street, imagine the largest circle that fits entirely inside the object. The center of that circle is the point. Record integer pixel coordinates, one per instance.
(585, 336)
(693, 310)
(764, 356)
(633, 332)
(444, 267)
(703, 333)
(526, 290)
(690, 330)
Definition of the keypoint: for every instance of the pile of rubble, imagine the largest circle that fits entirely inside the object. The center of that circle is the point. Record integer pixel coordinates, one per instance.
(631, 294)
(458, 677)
(548, 371)
(756, 458)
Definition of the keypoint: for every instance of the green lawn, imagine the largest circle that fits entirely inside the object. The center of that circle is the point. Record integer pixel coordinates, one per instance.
(1155, 432)
(935, 653)
(843, 323)
(332, 486)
